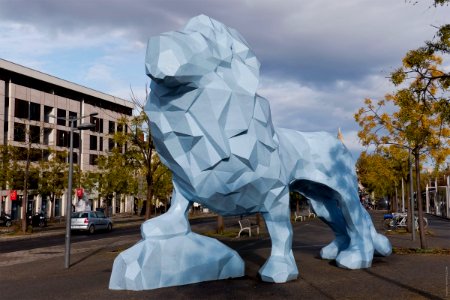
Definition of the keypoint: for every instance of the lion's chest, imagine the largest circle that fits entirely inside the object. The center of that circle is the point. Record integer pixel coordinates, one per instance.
(239, 184)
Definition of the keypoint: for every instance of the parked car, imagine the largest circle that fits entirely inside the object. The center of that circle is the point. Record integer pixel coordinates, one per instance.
(90, 221)
(5, 219)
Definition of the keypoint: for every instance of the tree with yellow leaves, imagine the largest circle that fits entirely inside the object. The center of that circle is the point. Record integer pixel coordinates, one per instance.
(411, 118)
(382, 172)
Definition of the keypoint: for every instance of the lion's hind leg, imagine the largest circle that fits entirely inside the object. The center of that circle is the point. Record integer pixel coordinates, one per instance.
(281, 266)
(323, 200)
(327, 210)
(353, 247)
(361, 249)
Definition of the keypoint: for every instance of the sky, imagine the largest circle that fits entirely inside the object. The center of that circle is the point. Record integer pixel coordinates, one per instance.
(319, 59)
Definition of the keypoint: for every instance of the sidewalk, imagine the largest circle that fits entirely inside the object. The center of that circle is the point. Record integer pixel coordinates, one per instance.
(437, 234)
(411, 276)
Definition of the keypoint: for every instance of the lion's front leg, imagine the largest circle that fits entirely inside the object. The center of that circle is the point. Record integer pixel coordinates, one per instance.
(281, 266)
(173, 223)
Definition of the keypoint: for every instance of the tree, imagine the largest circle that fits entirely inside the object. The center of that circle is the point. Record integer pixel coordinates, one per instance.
(141, 151)
(417, 122)
(417, 62)
(441, 2)
(53, 177)
(162, 182)
(375, 172)
(382, 172)
(116, 175)
(23, 159)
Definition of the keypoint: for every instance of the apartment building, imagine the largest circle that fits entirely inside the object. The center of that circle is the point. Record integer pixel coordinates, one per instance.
(37, 103)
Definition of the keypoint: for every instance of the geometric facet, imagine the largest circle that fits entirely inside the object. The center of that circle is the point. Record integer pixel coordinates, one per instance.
(215, 133)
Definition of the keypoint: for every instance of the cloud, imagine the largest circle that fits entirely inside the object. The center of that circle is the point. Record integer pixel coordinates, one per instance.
(320, 58)
(326, 108)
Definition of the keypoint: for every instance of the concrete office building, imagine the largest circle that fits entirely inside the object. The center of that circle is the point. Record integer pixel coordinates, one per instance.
(29, 102)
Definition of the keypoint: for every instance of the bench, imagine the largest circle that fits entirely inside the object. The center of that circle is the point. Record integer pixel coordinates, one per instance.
(303, 215)
(246, 225)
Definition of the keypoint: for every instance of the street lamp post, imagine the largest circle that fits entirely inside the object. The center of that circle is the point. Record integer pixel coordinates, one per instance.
(83, 126)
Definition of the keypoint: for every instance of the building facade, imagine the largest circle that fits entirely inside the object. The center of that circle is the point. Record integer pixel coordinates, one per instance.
(34, 110)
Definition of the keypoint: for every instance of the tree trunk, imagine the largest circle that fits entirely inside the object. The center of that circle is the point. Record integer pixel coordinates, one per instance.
(423, 242)
(259, 220)
(25, 191)
(148, 207)
(394, 207)
(411, 200)
(220, 227)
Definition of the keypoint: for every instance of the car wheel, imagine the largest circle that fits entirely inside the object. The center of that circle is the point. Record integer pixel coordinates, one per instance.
(91, 229)
(8, 223)
(109, 228)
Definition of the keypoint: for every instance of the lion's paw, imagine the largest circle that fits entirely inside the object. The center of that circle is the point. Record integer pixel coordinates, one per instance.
(331, 251)
(279, 269)
(382, 245)
(354, 258)
(165, 226)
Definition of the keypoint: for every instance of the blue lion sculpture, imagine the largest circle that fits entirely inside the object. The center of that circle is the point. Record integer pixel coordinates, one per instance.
(215, 133)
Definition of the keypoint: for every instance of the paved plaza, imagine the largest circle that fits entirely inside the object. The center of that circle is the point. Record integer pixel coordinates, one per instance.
(39, 273)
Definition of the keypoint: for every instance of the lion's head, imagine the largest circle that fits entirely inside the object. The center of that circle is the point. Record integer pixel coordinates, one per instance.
(204, 46)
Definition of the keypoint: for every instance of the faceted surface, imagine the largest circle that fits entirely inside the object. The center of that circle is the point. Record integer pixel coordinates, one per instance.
(215, 133)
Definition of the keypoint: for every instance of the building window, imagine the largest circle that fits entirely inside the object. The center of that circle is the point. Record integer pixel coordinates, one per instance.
(76, 140)
(110, 144)
(93, 159)
(101, 144)
(19, 132)
(62, 138)
(47, 134)
(36, 155)
(35, 111)
(35, 134)
(33, 182)
(119, 128)
(61, 113)
(21, 109)
(98, 124)
(112, 127)
(73, 115)
(94, 121)
(93, 142)
(47, 112)
(46, 154)
(75, 157)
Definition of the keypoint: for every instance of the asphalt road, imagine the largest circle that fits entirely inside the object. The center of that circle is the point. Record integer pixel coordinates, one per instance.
(7, 245)
(43, 276)
(57, 237)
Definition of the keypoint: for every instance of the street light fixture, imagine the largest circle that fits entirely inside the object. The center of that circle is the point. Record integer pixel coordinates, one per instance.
(80, 127)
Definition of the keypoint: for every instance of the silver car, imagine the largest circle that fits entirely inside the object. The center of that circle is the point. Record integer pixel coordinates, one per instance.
(90, 221)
